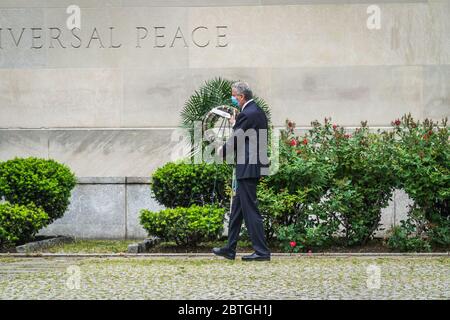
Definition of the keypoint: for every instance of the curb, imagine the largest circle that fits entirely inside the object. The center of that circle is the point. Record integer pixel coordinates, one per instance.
(43, 244)
(210, 255)
(143, 246)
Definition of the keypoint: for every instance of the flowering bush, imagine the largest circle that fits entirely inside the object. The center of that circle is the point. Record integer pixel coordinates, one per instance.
(363, 183)
(295, 239)
(278, 208)
(338, 182)
(422, 163)
(345, 180)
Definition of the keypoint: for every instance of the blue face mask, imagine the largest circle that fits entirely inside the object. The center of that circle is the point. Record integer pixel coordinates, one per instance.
(234, 101)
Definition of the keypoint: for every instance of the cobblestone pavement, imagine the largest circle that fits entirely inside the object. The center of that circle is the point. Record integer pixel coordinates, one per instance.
(216, 278)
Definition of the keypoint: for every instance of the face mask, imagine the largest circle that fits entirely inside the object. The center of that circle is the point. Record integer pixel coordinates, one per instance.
(234, 101)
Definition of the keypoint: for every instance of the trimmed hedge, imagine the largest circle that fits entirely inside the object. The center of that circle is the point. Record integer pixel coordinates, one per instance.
(186, 226)
(20, 223)
(46, 183)
(182, 184)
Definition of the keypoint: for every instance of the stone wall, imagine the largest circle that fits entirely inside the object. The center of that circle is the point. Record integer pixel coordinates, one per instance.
(106, 100)
(108, 208)
(105, 208)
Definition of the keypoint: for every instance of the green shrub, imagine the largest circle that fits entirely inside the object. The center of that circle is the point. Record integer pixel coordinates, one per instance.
(275, 208)
(439, 232)
(19, 223)
(344, 181)
(403, 238)
(302, 167)
(281, 208)
(183, 184)
(363, 182)
(186, 226)
(288, 199)
(308, 236)
(422, 163)
(46, 183)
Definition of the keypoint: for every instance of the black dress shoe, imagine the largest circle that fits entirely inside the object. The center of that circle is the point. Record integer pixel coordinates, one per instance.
(255, 257)
(223, 252)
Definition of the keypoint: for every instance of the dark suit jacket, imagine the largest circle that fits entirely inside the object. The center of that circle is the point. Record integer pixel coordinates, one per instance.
(248, 144)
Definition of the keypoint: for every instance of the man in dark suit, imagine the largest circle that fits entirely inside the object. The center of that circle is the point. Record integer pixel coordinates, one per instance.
(247, 147)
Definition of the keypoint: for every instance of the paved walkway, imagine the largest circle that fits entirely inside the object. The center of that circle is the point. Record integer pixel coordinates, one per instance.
(215, 278)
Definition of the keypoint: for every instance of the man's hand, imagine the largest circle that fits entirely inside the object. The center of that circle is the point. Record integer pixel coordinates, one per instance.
(233, 118)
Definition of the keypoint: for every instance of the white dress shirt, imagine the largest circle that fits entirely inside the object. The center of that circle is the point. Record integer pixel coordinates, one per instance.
(246, 104)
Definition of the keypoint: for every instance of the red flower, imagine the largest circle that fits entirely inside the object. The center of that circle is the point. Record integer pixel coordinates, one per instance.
(293, 142)
(305, 141)
(397, 122)
(293, 244)
(334, 126)
(347, 136)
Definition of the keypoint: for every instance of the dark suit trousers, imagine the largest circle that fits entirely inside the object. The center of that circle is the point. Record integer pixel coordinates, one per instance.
(245, 207)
